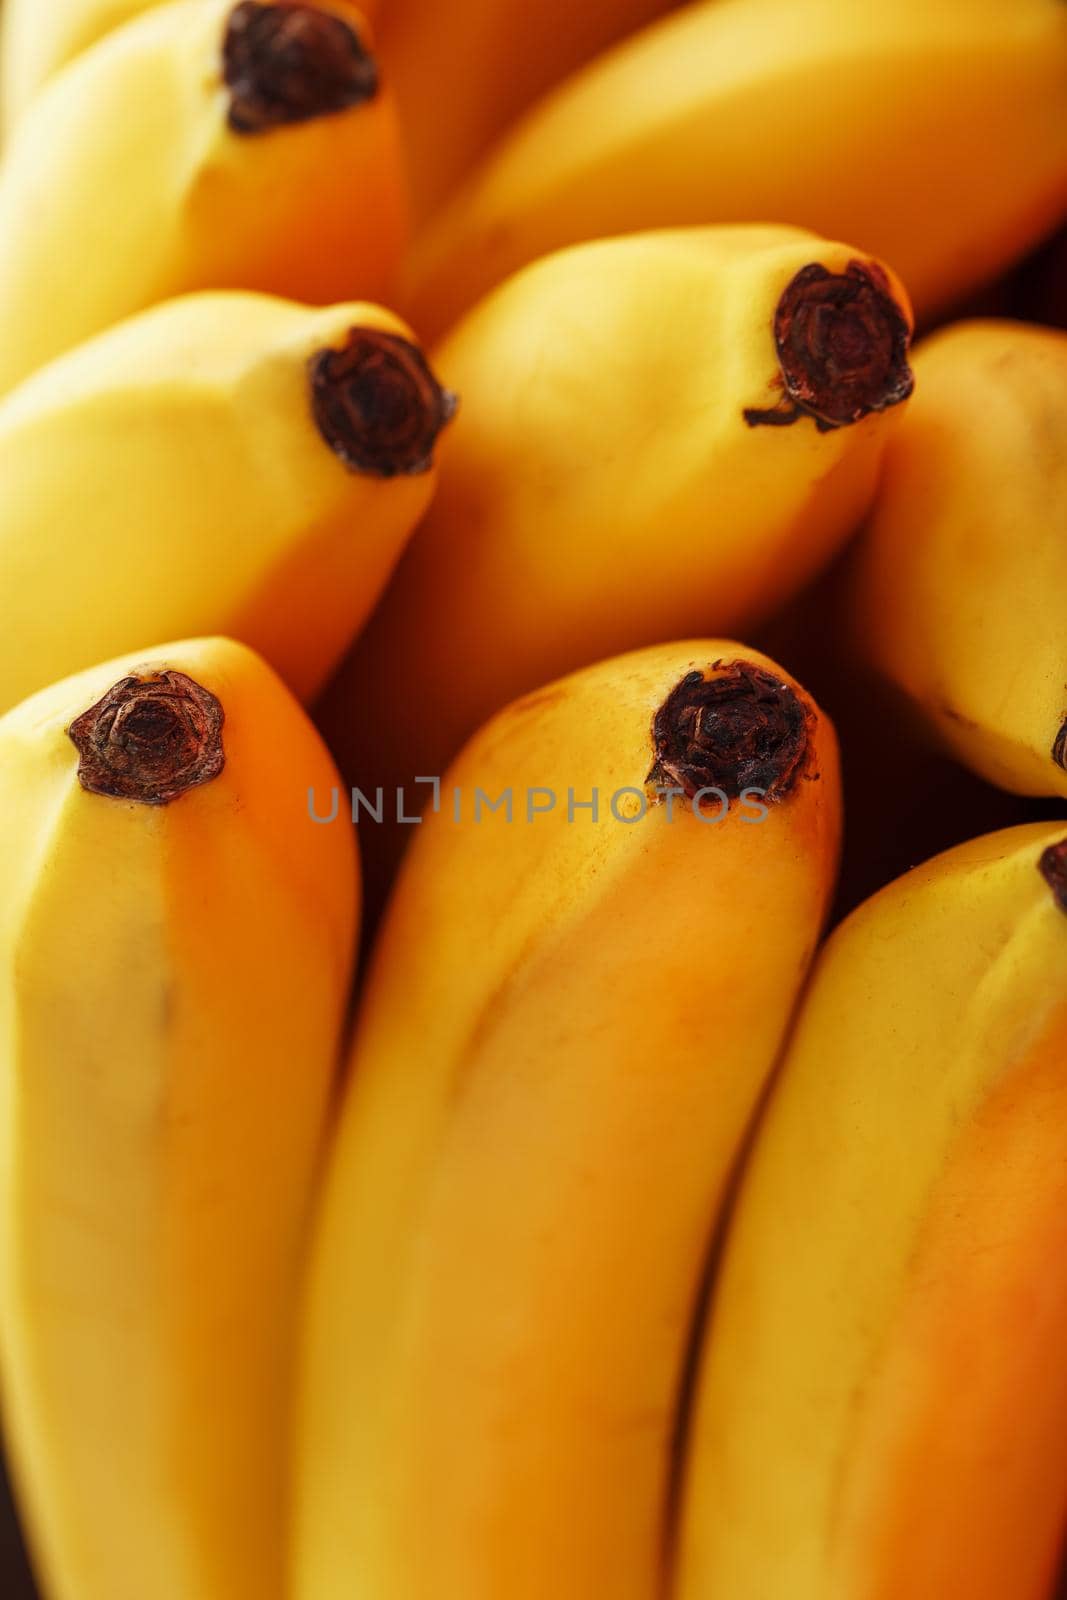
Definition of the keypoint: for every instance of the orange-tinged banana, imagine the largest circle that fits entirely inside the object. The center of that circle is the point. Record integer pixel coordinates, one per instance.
(226, 462)
(203, 145)
(882, 1407)
(955, 591)
(176, 939)
(658, 435)
(932, 135)
(568, 1022)
(461, 75)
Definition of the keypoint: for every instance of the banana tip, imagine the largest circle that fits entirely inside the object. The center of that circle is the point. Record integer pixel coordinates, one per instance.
(734, 729)
(842, 342)
(1053, 868)
(290, 62)
(378, 405)
(151, 738)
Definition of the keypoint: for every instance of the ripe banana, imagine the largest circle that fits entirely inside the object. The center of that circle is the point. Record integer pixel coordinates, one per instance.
(955, 592)
(568, 1023)
(882, 1410)
(932, 135)
(36, 40)
(622, 471)
(204, 145)
(460, 79)
(175, 947)
(226, 462)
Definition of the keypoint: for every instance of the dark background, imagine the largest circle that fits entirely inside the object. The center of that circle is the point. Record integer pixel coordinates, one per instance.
(15, 1580)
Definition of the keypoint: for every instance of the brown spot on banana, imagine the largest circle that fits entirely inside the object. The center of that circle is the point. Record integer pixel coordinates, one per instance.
(151, 738)
(842, 343)
(289, 62)
(734, 728)
(1059, 748)
(378, 405)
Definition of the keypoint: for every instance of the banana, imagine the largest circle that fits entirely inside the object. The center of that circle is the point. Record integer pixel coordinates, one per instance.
(225, 462)
(175, 947)
(622, 471)
(568, 1022)
(882, 1407)
(36, 40)
(462, 78)
(204, 145)
(954, 592)
(932, 135)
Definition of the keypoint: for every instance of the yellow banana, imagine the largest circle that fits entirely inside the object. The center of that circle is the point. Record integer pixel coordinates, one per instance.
(568, 1023)
(619, 473)
(175, 945)
(882, 1409)
(224, 463)
(954, 595)
(36, 40)
(204, 145)
(932, 135)
(460, 78)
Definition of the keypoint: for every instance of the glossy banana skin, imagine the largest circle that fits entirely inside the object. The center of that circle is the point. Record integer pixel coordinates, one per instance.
(125, 185)
(566, 1029)
(882, 1409)
(601, 488)
(930, 135)
(954, 593)
(173, 982)
(196, 493)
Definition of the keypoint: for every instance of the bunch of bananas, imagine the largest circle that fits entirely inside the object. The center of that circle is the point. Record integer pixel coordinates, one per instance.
(509, 419)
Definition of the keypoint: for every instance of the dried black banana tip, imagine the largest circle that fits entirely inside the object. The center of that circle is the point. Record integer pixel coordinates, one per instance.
(378, 405)
(842, 342)
(1053, 868)
(288, 63)
(150, 739)
(733, 729)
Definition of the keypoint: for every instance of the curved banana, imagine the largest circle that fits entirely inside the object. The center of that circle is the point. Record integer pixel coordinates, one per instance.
(954, 594)
(882, 1409)
(462, 77)
(568, 1023)
(931, 135)
(226, 462)
(36, 40)
(623, 471)
(204, 145)
(175, 949)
